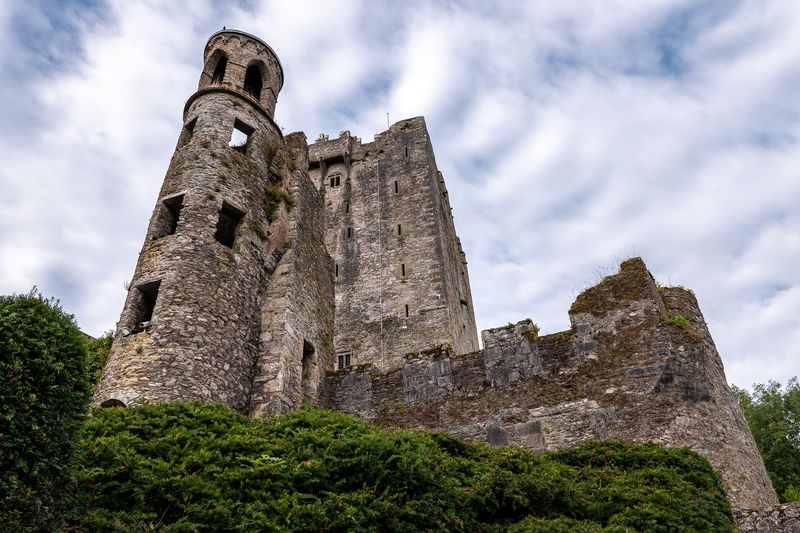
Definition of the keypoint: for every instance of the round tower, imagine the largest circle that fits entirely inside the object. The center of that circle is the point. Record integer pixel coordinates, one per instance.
(190, 326)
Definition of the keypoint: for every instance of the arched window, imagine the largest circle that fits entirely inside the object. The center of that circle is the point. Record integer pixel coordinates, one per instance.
(252, 82)
(219, 70)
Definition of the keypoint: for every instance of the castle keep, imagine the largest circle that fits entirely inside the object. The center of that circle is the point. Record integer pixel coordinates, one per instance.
(275, 271)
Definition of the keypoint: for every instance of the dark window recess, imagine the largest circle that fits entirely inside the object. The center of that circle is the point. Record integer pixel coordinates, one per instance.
(170, 212)
(402, 269)
(186, 133)
(144, 303)
(219, 70)
(228, 223)
(349, 233)
(399, 229)
(253, 82)
(406, 151)
(336, 180)
(344, 360)
(336, 270)
(406, 310)
(113, 402)
(309, 366)
(396, 187)
(463, 302)
(346, 208)
(240, 135)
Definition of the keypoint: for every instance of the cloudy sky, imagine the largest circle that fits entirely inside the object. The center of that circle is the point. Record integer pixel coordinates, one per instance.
(572, 134)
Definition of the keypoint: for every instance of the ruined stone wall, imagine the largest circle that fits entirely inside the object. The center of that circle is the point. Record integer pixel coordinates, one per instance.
(774, 519)
(400, 273)
(297, 313)
(625, 370)
(200, 341)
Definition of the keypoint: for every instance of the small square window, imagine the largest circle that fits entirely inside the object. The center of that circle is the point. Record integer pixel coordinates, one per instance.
(240, 136)
(344, 360)
(336, 180)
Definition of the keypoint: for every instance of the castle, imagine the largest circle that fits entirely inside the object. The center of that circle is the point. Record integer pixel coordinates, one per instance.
(274, 272)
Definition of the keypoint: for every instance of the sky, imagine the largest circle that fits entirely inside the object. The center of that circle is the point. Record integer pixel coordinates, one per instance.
(571, 135)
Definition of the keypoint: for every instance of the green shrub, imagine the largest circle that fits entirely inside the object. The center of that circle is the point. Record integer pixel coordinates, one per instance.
(44, 393)
(188, 467)
(97, 354)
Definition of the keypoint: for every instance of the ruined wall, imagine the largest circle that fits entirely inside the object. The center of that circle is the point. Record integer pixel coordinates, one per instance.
(774, 519)
(190, 325)
(401, 277)
(297, 314)
(625, 370)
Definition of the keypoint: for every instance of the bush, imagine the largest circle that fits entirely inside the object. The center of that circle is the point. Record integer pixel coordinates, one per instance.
(188, 467)
(44, 395)
(97, 354)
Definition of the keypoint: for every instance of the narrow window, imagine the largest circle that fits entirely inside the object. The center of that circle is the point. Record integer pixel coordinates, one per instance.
(309, 373)
(337, 270)
(144, 304)
(399, 229)
(240, 136)
(253, 82)
(406, 310)
(169, 214)
(186, 133)
(403, 269)
(349, 232)
(346, 207)
(228, 223)
(396, 188)
(406, 151)
(344, 360)
(219, 70)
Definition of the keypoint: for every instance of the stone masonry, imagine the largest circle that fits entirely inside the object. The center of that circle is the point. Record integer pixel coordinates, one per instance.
(274, 272)
(401, 275)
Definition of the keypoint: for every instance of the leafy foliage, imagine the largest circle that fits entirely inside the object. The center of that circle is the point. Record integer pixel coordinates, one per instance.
(44, 394)
(97, 354)
(188, 467)
(774, 418)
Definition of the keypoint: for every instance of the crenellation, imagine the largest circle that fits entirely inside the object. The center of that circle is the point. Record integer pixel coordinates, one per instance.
(275, 272)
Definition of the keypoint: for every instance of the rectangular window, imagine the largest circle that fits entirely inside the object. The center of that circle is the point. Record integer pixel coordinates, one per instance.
(228, 223)
(402, 269)
(396, 187)
(336, 270)
(406, 151)
(346, 207)
(168, 215)
(144, 304)
(399, 229)
(344, 360)
(336, 180)
(349, 232)
(240, 136)
(406, 310)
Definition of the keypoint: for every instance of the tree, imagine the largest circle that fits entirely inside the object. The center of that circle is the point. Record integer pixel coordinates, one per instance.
(44, 395)
(773, 414)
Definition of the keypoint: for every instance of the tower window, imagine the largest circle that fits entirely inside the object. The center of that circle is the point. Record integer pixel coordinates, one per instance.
(403, 269)
(144, 303)
(309, 372)
(396, 187)
(406, 151)
(240, 136)
(169, 213)
(335, 180)
(407, 311)
(463, 302)
(186, 133)
(346, 207)
(344, 360)
(336, 270)
(399, 229)
(349, 233)
(219, 70)
(253, 82)
(228, 223)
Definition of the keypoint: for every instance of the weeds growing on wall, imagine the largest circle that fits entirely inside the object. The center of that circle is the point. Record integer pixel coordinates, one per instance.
(187, 467)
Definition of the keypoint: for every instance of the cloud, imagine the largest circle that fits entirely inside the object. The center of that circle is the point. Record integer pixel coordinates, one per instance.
(571, 135)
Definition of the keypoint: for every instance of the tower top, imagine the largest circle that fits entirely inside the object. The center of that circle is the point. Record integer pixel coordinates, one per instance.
(249, 36)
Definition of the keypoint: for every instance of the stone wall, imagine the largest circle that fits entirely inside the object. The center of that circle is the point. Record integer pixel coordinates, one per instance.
(775, 519)
(625, 370)
(401, 276)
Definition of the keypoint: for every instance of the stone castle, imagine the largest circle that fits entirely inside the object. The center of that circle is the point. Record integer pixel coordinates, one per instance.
(275, 272)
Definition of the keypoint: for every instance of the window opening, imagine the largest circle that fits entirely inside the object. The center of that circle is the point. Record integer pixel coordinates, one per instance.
(336, 180)
(253, 82)
(346, 207)
(240, 136)
(406, 151)
(337, 270)
(406, 310)
(219, 70)
(403, 269)
(113, 402)
(349, 232)
(309, 370)
(396, 188)
(186, 133)
(344, 360)
(168, 219)
(399, 229)
(463, 302)
(144, 304)
(228, 223)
